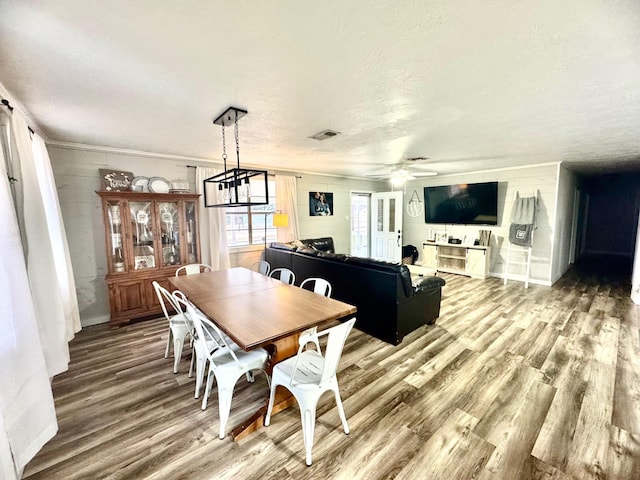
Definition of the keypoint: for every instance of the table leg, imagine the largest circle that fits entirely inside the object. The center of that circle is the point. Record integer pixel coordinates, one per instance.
(278, 351)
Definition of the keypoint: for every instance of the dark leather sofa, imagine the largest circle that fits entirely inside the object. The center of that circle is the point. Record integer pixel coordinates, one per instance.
(389, 306)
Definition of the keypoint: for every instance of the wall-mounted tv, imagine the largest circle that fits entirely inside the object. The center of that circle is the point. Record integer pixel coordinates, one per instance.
(465, 204)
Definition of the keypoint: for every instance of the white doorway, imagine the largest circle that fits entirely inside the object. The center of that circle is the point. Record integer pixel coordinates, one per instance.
(386, 226)
(360, 215)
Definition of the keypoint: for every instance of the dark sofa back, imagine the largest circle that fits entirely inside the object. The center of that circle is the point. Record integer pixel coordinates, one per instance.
(375, 288)
(389, 307)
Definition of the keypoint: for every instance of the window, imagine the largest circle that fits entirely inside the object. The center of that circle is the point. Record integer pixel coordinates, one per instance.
(248, 225)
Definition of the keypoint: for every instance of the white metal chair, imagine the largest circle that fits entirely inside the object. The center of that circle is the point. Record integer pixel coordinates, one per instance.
(226, 367)
(284, 275)
(179, 324)
(261, 266)
(309, 374)
(200, 353)
(193, 268)
(320, 286)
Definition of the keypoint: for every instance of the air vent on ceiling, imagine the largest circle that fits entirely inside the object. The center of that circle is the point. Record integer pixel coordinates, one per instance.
(416, 159)
(323, 135)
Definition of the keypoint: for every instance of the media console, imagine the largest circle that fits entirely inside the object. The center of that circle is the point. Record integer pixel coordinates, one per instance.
(471, 260)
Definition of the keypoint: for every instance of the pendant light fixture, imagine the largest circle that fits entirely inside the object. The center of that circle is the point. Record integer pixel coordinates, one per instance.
(233, 187)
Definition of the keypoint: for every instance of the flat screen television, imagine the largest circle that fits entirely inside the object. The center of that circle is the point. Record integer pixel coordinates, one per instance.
(464, 204)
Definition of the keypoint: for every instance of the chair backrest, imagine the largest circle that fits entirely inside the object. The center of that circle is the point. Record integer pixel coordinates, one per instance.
(335, 343)
(284, 275)
(193, 268)
(262, 267)
(207, 334)
(320, 286)
(333, 350)
(165, 296)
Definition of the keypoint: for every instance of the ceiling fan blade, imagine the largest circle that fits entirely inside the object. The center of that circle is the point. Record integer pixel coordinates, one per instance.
(418, 166)
(378, 171)
(424, 174)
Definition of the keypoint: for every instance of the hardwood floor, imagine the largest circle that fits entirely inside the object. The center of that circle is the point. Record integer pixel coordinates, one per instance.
(509, 384)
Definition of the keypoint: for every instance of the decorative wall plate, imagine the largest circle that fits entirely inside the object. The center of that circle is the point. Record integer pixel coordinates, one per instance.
(140, 184)
(159, 185)
(415, 206)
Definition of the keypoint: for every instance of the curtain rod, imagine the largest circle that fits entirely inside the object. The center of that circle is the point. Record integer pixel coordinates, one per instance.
(271, 173)
(5, 102)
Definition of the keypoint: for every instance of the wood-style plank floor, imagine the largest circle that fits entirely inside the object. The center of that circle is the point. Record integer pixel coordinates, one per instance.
(509, 384)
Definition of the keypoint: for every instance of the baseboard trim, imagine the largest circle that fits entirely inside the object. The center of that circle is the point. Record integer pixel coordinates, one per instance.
(521, 278)
(89, 322)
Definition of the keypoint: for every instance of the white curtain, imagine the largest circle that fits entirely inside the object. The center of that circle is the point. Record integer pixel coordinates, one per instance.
(48, 261)
(27, 412)
(66, 284)
(213, 230)
(287, 202)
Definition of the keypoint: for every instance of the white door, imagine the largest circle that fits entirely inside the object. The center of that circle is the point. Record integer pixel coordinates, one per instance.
(386, 226)
(360, 216)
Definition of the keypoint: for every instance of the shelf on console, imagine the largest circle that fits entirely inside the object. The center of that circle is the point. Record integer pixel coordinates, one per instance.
(472, 260)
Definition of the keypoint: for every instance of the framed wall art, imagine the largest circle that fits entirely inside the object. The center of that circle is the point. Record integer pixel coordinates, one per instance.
(320, 204)
(115, 180)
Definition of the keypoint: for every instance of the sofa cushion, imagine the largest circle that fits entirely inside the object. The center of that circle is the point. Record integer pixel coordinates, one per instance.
(324, 244)
(338, 257)
(307, 251)
(283, 246)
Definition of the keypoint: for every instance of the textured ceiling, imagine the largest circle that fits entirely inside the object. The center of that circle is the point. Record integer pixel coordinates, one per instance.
(471, 85)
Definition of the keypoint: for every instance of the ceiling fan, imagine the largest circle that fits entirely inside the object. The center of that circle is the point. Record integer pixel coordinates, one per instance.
(400, 172)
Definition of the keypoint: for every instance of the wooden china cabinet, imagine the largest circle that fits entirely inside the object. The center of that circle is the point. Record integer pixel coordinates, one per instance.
(148, 237)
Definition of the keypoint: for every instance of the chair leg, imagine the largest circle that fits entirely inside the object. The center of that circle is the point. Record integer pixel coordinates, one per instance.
(200, 364)
(177, 352)
(207, 390)
(272, 396)
(193, 360)
(166, 351)
(343, 418)
(308, 417)
(225, 395)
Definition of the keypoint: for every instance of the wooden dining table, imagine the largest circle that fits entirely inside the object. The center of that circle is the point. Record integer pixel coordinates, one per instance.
(259, 311)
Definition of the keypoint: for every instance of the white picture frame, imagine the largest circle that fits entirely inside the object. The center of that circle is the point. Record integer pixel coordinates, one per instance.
(469, 240)
(442, 237)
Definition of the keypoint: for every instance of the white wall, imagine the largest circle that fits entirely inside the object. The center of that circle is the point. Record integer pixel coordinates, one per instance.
(77, 180)
(526, 181)
(564, 211)
(338, 225)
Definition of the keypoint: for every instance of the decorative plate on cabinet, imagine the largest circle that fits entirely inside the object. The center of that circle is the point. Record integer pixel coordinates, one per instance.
(140, 184)
(159, 185)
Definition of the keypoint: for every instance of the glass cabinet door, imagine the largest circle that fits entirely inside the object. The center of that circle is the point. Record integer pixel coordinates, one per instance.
(192, 234)
(142, 235)
(115, 229)
(169, 233)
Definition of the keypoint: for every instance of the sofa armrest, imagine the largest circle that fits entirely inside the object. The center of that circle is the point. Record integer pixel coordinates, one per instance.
(428, 284)
(283, 246)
